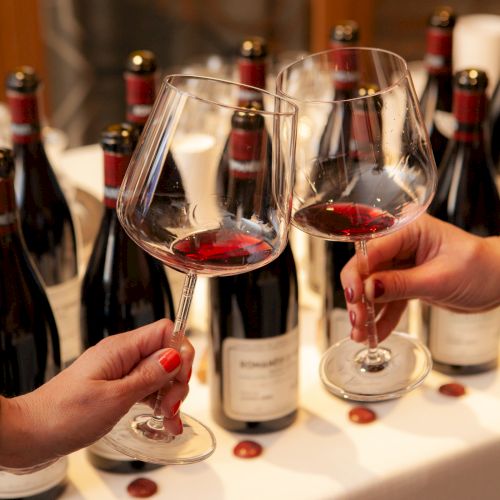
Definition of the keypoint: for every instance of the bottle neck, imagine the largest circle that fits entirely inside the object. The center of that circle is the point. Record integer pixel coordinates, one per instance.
(245, 153)
(366, 131)
(24, 116)
(140, 90)
(115, 166)
(469, 109)
(345, 73)
(438, 51)
(9, 221)
(252, 72)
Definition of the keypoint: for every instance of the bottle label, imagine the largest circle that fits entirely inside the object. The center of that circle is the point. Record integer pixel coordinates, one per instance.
(339, 326)
(104, 450)
(245, 153)
(244, 169)
(260, 377)
(24, 112)
(464, 339)
(32, 483)
(65, 302)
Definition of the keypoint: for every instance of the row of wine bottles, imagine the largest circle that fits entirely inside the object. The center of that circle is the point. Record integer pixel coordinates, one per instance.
(466, 195)
(254, 316)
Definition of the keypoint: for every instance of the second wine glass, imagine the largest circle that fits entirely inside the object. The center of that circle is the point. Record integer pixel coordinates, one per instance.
(174, 205)
(364, 169)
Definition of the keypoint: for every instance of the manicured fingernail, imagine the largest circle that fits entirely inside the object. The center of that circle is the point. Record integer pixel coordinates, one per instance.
(352, 317)
(175, 408)
(349, 294)
(378, 288)
(170, 360)
(189, 375)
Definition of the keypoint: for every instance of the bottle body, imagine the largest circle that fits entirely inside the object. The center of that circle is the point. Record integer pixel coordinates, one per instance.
(46, 220)
(467, 197)
(254, 368)
(123, 287)
(436, 98)
(29, 343)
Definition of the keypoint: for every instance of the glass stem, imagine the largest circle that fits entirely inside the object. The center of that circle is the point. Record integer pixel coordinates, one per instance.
(373, 357)
(156, 421)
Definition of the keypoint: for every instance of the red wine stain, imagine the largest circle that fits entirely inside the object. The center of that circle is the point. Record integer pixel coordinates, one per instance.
(142, 488)
(362, 415)
(453, 389)
(247, 449)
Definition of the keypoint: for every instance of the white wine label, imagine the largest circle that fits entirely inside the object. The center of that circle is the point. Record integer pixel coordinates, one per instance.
(102, 449)
(464, 339)
(260, 377)
(445, 123)
(339, 326)
(65, 302)
(25, 485)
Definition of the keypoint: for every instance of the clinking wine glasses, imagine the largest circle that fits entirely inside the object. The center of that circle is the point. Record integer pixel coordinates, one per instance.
(364, 169)
(173, 205)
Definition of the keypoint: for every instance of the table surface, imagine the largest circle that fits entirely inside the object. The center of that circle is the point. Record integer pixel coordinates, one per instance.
(422, 445)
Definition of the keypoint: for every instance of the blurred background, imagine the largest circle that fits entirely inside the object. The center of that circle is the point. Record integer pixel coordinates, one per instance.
(79, 47)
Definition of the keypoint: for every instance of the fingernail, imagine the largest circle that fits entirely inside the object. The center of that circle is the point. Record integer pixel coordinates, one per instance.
(170, 360)
(189, 375)
(349, 294)
(352, 317)
(175, 408)
(378, 288)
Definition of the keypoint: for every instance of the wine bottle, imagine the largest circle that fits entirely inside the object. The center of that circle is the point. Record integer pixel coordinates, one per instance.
(467, 197)
(495, 127)
(123, 287)
(29, 343)
(435, 100)
(46, 220)
(344, 34)
(254, 316)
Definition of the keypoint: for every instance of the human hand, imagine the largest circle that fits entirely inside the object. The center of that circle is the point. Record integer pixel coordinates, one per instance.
(428, 259)
(83, 402)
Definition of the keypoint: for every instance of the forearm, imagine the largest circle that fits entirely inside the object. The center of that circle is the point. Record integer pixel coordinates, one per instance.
(491, 272)
(18, 434)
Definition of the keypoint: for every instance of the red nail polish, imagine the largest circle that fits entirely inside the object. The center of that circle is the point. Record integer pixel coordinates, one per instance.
(170, 360)
(378, 288)
(175, 408)
(349, 294)
(352, 317)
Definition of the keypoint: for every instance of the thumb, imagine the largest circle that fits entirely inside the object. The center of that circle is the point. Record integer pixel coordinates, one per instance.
(150, 375)
(416, 282)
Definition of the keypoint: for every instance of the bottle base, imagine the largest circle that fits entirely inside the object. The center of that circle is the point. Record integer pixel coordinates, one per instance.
(448, 369)
(119, 466)
(255, 427)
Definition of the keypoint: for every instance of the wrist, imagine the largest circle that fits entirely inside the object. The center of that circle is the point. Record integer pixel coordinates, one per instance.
(492, 270)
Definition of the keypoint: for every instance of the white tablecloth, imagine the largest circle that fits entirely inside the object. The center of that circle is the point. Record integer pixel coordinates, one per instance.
(424, 445)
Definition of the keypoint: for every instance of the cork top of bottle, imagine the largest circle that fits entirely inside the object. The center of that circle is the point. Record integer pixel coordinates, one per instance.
(366, 89)
(120, 138)
(470, 79)
(23, 79)
(254, 47)
(247, 120)
(6, 164)
(345, 32)
(442, 17)
(141, 61)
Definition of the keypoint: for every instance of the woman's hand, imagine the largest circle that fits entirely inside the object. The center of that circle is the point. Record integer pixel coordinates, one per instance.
(83, 402)
(428, 259)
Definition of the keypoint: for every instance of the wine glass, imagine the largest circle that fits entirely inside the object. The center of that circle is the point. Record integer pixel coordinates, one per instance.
(172, 204)
(364, 170)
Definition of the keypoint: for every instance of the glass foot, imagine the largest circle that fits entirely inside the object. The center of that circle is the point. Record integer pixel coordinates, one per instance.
(404, 364)
(133, 437)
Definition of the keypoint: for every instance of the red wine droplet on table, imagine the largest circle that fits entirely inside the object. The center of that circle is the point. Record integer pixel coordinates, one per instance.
(362, 415)
(453, 389)
(247, 449)
(142, 488)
